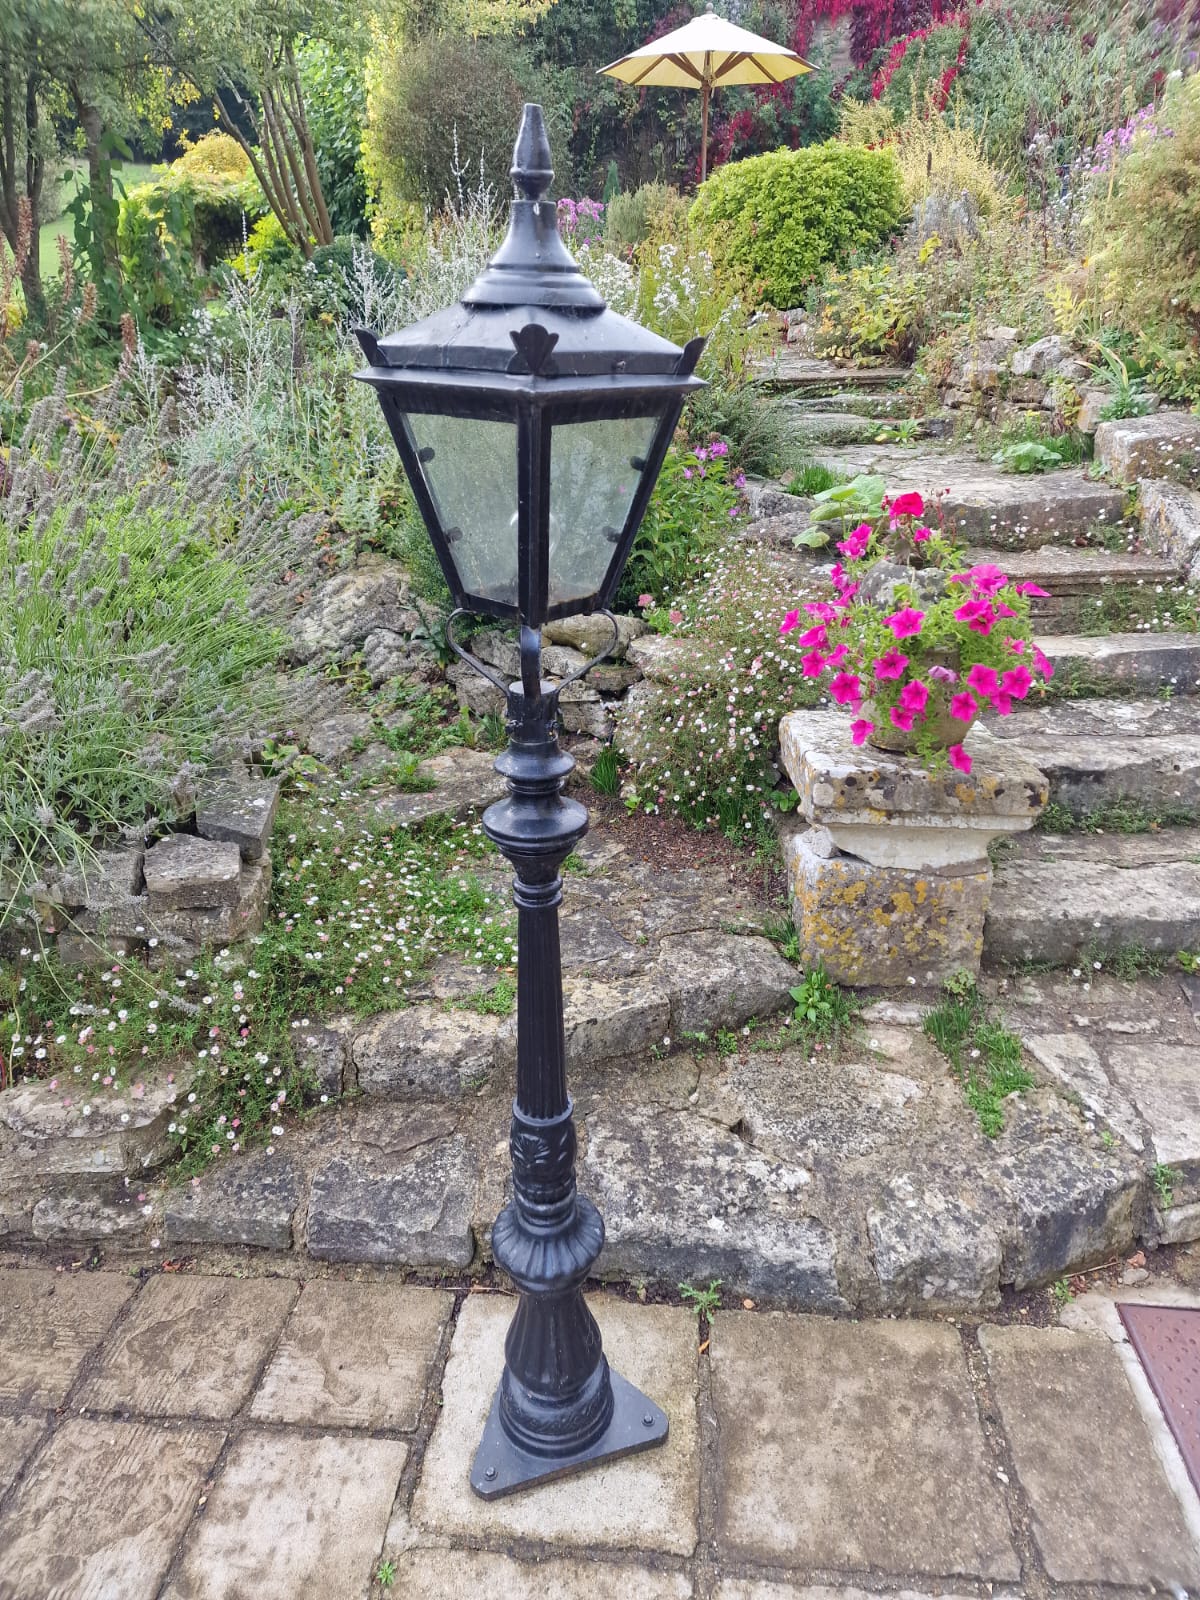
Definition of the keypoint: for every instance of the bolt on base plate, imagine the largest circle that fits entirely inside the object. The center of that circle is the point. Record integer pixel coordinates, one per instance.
(500, 1468)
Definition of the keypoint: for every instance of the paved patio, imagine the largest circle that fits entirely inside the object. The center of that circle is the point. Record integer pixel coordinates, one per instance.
(196, 1437)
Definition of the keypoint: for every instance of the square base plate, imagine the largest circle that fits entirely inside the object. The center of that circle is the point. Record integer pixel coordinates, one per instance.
(500, 1468)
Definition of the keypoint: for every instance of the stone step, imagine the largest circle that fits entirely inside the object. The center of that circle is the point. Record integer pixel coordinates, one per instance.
(1169, 662)
(1165, 444)
(784, 369)
(1170, 517)
(1098, 754)
(858, 403)
(820, 427)
(1068, 898)
(1076, 577)
(980, 504)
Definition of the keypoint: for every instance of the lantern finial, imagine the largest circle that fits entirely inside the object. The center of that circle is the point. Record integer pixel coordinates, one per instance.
(531, 171)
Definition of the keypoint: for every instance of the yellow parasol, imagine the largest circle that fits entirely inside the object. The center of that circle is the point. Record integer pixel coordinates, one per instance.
(706, 54)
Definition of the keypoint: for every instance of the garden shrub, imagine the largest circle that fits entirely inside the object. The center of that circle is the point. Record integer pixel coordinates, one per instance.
(656, 210)
(778, 219)
(136, 615)
(440, 99)
(1146, 239)
(216, 155)
(703, 746)
(173, 229)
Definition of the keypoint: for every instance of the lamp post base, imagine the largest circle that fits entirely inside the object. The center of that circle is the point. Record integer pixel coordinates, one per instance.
(501, 1468)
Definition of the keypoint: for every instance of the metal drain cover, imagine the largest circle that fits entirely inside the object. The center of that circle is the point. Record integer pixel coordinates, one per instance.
(1167, 1342)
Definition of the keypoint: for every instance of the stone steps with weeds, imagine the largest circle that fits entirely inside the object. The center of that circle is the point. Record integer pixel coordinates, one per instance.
(1163, 445)
(1124, 764)
(1084, 584)
(1060, 899)
(982, 505)
(785, 370)
(1136, 663)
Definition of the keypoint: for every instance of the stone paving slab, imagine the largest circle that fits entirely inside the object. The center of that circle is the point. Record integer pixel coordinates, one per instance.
(449, 1574)
(1103, 1511)
(192, 1347)
(1164, 1080)
(100, 1514)
(829, 1458)
(18, 1435)
(48, 1323)
(292, 1518)
(759, 1589)
(356, 1355)
(647, 1502)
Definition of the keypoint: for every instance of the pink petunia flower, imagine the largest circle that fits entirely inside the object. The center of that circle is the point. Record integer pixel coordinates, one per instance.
(860, 729)
(792, 620)
(902, 718)
(836, 657)
(940, 674)
(822, 609)
(1044, 666)
(921, 534)
(855, 543)
(846, 689)
(959, 758)
(963, 707)
(904, 624)
(914, 696)
(890, 665)
(1017, 646)
(987, 579)
(984, 680)
(1033, 591)
(1017, 682)
(906, 505)
(812, 665)
(814, 638)
(1002, 703)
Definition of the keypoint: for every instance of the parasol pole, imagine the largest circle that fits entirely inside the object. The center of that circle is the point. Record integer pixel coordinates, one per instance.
(705, 91)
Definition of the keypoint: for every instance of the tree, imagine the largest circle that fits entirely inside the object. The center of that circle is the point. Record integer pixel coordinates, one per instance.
(244, 54)
(25, 142)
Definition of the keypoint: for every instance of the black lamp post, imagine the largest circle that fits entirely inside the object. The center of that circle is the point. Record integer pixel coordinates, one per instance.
(532, 423)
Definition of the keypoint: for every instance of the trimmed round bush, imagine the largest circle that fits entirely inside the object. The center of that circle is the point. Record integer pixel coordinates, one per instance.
(778, 219)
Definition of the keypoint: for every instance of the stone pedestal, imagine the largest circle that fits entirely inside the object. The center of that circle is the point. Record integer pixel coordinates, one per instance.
(891, 879)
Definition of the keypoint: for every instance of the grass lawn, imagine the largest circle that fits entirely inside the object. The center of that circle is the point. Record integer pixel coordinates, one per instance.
(129, 173)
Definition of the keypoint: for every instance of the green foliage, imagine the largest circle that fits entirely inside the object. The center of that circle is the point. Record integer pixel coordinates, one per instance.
(358, 911)
(1164, 1186)
(135, 616)
(702, 745)
(335, 99)
(1040, 73)
(1145, 239)
(842, 506)
(812, 478)
(605, 775)
(1027, 455)
(385, 1575)
(702, 1301)
(758, 426)
(172, 230)
(822, 1009)
(434, 96)
(778, 219)
(687, 519)
(985, 1056)
(654, 209)
(878, 312)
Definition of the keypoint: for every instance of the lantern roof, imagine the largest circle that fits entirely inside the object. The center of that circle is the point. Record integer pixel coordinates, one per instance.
(531, 311)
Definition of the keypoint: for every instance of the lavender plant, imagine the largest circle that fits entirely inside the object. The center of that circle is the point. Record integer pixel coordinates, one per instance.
(138, 611)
